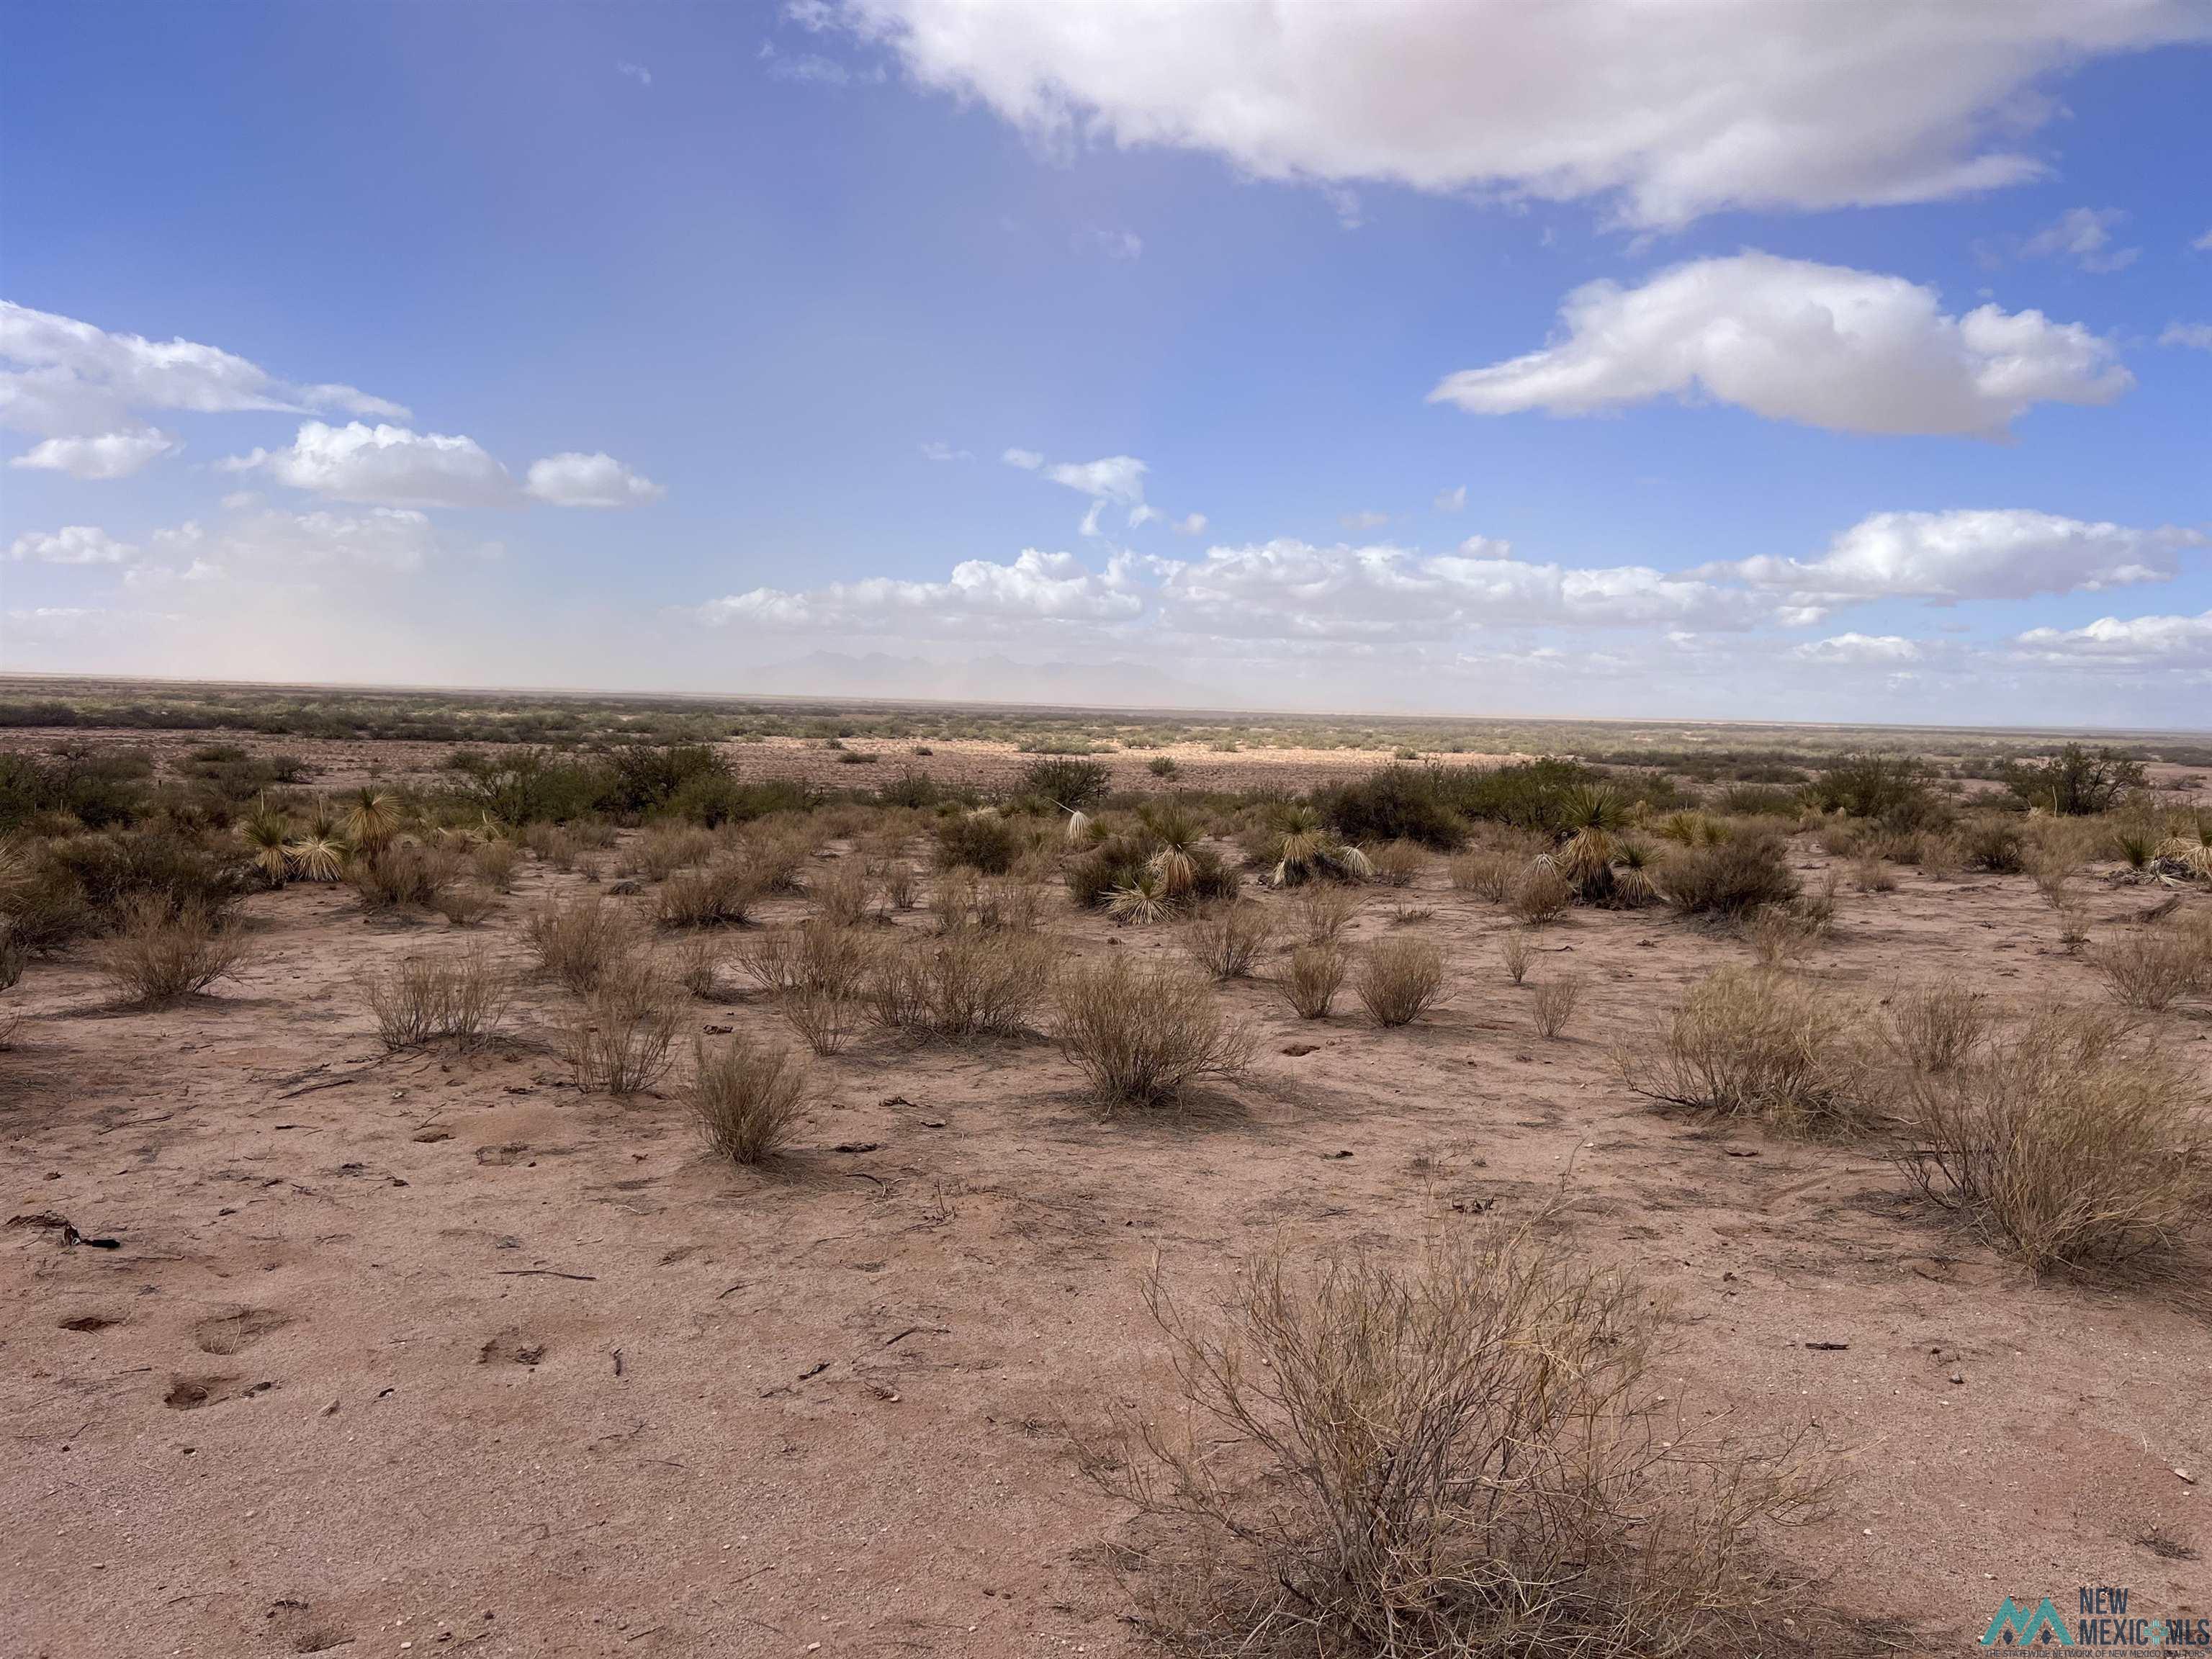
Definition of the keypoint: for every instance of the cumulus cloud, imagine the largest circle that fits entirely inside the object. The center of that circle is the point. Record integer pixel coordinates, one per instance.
(1124, 245)
(386, 464)
(1451, 501)
(1366, 519)
(2085, 236)
(1191, 524)
(637, 72)
(938, 452)
(76, 543)
(269, 541)
(1116, 478)
(102, 456)
(1970, 554)
(69, 378)
(1668, 111)
(1886, 650)
(1788, 339)
(1027, 459)
(598, 480)
(2138, 641)
(2198, 334)
(1036, 588)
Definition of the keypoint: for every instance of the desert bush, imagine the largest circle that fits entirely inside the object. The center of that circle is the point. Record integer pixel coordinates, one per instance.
(1487, 875)
(1938, 1028)
(748, 1098)
(1325, 911)
(1067, 783)
(1997, 845)
(2069, 1145)
(401, 874)
(699, 964)
(973, 982)
(160, 955)
(978, 841)
(495, 861)
(815, 956)
(664, 849)
(1779, 933)
(424, 999)
(1397, 802)
(1554, 1004)
(1755, 1043)
(843, 891)
(901, 887)
(1400, 980)
(577, 941)
(720, 894)
(1397, 863)
(620, 1040)
(1732, 877)
(2152, 968)
(1314, 976)
(2074, 782)
(1467, 1453)
(1227, 940)
(464, 906)
(1892, 788)
(1539, 894)
(78, 884)
(1871, 875)
(1142, 1035)
(1513, 951)
(1941, 856)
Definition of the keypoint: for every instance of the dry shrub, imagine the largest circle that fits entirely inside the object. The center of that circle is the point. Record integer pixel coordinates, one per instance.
(2152, 968)
(1142, 1035)
(1938, 1028)
(1317, 974)
(1397, 863)
(1755, 1043)
(973, 982)
(699, 964)
(823, 1018)
(663, 850)
(1539, 894)
(1555, 1002)
(1941, 856)
(162, 954)
(1871, 875)
(622, 1040)
(2053, 868)
(397, 874)
(579, 940)
(811, 957)
(841, 893)
(1779, 933)
(778, 857)
(464, 906)
(901, 887)
(747, 1098)
(495, 861)
(1227, 941)
(1464, 1456)
(423, 998)
(1400, 980)
(1731, 877)
(2072, 1144)
(1325, 910)
(717, 894)
(1513, 951)
(1487, 875)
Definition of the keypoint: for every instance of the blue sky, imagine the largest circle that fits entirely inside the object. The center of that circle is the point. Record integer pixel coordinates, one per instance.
(1843, 362)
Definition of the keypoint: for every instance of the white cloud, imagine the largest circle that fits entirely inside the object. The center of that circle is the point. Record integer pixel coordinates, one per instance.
(76, 543)
(388, 465)
(1970, 554)
(2139, 642)
(1191, 524)
(2198, 334)
(1366, 519)
(1123, 245)
(937, 452)
(1451, 501)
(2203, 244)
(636, 72)
(1670, 111)
(1116, 478)
(2085, 236)
(1825, 345)
(1036, 587)
(106, 455)
(69, 378)
(574, 480)
(269, 541)
(1027, 459)
(1880, 649)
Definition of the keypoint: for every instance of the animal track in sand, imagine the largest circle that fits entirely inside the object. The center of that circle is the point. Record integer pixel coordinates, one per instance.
(235, 1332)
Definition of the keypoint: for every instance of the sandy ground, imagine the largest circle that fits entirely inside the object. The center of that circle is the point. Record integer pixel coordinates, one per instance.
(432, 1352)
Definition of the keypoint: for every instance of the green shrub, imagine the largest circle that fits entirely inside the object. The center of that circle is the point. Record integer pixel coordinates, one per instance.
(978, 841)
(1397, 802)
(1730, 878)
(1067, 783)
(2074, 782)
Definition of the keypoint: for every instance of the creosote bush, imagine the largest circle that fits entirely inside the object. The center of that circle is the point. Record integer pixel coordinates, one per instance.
(1753, 1042)
(1226, 941)
(1142, 1035)
(1539, 894)
(1400, 980)
(970, 982)
(424, 999)
(1513, 951)
(720, 894)
(2153, 968)
(2071, 1144)
(1554, 1002)
(1467, 1453)
(393, 874)
(621, 1040)
(1325, 910)
(1938, 1028)
(1732, 877)
(748, 1098)
(160, 955)
(1314, 976)
(578, 941)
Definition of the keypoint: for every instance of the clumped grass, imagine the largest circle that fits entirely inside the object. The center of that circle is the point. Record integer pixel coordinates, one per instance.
(1555, 1001)
(464, 906)
(2071, 1144)
(392, 874)
(495, 862)
(1400, 980)
(578, 941)
(720, 894)
(1397, 863)
(1938, 1028)
(2153, 968)
(1226, 941)
(1142, 1035)
(1755, 1043)
(1513, 951)
(162, 954)
(1465, 1454)
(842, 893)
(1487, 875)
(699, 964)
(1539, 894)
(622, 1040)
(971, 982)
(1314, 976)
(421, 1000)
(1871, 874)
(1325, 910)
(748, 1098)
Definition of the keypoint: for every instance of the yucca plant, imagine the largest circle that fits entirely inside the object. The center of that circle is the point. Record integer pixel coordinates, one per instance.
(373, 818)
(1306, 851)
(1594, 817)
(1635, 880)
(319, 855)
(264, 830)
(1140, 900)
